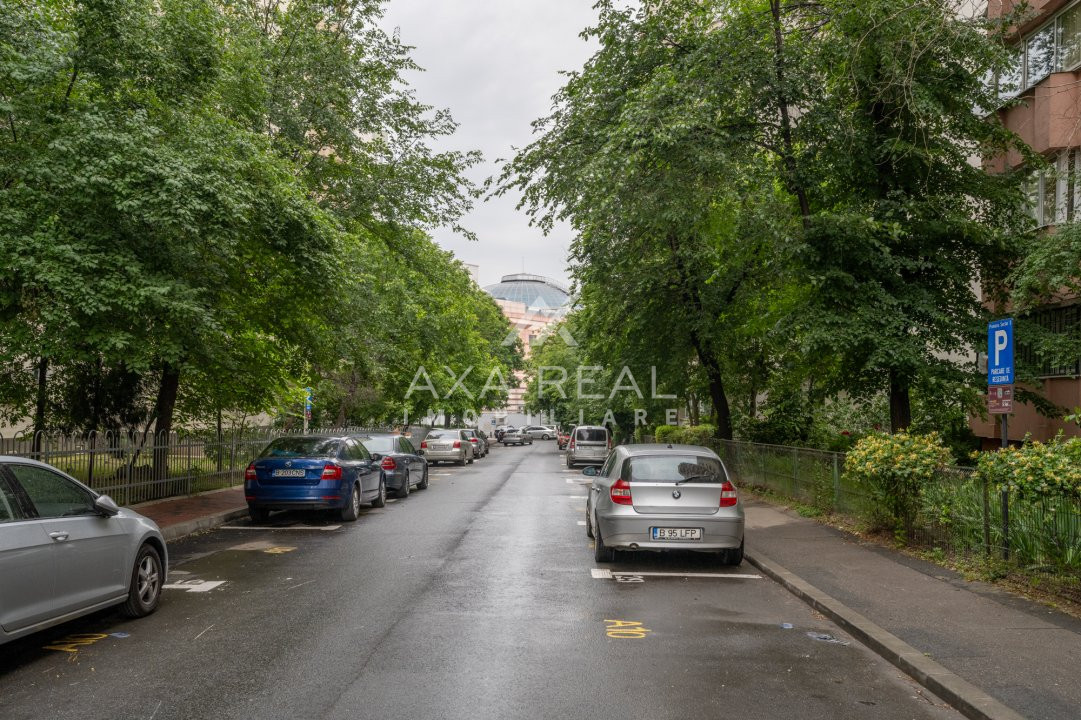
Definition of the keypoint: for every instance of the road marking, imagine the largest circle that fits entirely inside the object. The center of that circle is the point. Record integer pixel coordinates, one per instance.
(602, 574)
(625, 629)
(294, 587)
(581, 522)
(321, 528)
(578, 497)
(196, 586)
(281, 550)
(72, 643)
(576, 481)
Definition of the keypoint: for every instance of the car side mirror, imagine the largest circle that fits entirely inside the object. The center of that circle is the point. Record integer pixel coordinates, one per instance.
(106, 505)
(591, 471)
(376, 457)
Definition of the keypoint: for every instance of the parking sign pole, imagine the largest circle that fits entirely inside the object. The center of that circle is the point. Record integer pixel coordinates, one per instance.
(1005, 496)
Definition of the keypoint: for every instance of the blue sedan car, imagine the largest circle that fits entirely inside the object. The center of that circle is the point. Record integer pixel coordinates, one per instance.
(311, 472)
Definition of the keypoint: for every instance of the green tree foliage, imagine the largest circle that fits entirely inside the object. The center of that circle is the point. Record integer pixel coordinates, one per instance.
(206, 204)
(780, 196)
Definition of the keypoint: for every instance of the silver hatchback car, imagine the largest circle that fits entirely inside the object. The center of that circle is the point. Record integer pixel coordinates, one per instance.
(66, 551)
(664, 497)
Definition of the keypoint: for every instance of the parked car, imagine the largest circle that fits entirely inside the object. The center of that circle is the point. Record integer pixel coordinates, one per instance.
(498, 433)
(67, 551)
(664, 497)
(516, 437)
(539, 432)
(442, 445)
(479, 441)
(588, 444)
(403, 465)
(564, 437)
(314, 472)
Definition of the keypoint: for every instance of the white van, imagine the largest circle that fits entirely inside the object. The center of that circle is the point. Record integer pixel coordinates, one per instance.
(588, 444)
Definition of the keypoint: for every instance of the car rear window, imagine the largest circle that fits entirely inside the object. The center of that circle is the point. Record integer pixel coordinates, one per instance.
(441, 434)
(673, 469)
(381, 444)
(302, 447)
(592, 435)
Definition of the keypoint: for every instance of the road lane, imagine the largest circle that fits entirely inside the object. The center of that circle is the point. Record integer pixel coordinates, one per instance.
(474, 598)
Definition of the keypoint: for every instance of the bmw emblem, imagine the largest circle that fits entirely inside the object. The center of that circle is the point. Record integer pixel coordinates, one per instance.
(676, 494)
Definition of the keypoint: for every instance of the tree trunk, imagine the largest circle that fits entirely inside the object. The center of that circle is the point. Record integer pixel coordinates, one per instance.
(900, 404)
(39, 405)
(722, 414)
(163, 414)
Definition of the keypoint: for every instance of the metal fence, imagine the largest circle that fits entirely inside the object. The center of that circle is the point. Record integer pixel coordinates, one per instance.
(958, 513)
(137, 467)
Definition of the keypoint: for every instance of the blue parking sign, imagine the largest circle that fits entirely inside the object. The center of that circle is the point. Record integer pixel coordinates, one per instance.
(1000, 352)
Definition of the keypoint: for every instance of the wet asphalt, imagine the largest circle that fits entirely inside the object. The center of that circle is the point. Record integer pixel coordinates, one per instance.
(471, 599)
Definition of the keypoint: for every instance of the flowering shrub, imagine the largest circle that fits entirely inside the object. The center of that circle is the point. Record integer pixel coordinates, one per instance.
(1035, 470)
(894, 469)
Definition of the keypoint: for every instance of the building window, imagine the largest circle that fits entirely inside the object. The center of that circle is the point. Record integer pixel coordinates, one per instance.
(1055, 47)
(1053, 195)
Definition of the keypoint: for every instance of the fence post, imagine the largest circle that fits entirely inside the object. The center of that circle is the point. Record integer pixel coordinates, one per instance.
(836, 481)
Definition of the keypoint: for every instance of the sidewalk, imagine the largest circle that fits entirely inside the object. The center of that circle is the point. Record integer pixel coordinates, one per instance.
(184, 515)
(1025, 655)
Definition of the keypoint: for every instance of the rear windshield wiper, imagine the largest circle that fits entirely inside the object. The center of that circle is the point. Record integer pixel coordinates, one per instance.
(692, 478)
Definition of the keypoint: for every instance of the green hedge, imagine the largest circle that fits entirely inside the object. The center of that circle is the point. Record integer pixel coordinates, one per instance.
(689, 435)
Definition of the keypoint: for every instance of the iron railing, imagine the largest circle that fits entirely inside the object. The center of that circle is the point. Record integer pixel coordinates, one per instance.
(133, 467)
(958, 513)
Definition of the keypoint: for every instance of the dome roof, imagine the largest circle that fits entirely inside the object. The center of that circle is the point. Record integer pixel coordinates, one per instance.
(533, 291)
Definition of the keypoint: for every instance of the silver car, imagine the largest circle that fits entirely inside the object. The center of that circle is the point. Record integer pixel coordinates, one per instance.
(539, 432)
(664, 497)
(441, 445)
(516, 436)
(588, 444)
(66, 551)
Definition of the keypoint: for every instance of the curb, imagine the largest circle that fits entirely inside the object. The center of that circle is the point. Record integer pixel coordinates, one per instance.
(966, 698)
(204, 523)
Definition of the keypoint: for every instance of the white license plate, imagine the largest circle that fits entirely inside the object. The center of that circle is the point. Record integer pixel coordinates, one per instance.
(298, 473)
(660, 533)
(441, 447)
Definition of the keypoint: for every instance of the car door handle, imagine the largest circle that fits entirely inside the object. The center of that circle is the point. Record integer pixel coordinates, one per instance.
(59, 536)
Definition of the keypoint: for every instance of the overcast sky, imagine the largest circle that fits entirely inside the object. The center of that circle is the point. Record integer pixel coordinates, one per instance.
(495, 65)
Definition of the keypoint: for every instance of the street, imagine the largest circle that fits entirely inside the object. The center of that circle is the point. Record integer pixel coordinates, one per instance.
(477, 597)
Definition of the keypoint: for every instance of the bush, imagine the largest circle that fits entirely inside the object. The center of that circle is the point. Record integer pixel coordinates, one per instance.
(894, 469)
(667, 433)
(1035, 470)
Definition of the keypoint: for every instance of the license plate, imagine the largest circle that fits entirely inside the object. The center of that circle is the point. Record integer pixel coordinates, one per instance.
(660, 533)
(298, 473)
(440, 447)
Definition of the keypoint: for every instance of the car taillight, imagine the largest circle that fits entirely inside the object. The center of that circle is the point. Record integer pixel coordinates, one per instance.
(473, 440)
(423, 444)
(457, 444)
(728, 494)
(621, 492)
(332, 472)
(249, 474)
(388, 463)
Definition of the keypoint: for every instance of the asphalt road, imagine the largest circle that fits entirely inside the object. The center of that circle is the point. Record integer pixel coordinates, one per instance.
(472, 599)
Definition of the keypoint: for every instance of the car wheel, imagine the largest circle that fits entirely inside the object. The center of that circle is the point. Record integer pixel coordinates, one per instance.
(734, 557)
(423, 484)
(146, 582)
(470, 460)
(258, 514)
(546, 437)
(404, 491)
(381, 498)
(351, 511)
(601, 552)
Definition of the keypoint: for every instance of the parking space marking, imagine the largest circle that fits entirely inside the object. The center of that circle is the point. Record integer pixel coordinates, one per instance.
(582, 522)
(280, 550)
(195, 586)
(576, 481)
(318, 528)
(625, 629)
(577, 497)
